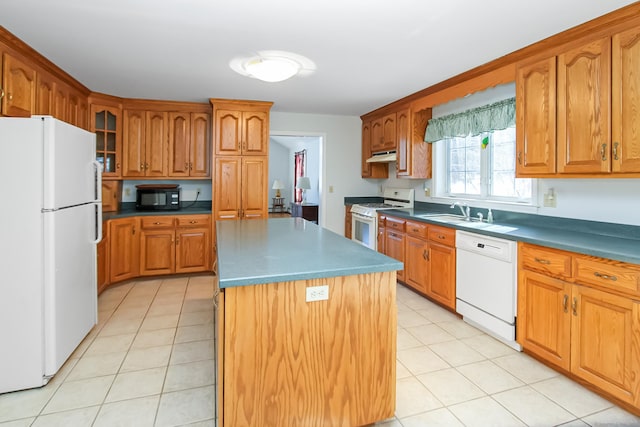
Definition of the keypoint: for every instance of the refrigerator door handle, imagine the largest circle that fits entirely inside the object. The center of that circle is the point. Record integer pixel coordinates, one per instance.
(98, 208)
(98, 180)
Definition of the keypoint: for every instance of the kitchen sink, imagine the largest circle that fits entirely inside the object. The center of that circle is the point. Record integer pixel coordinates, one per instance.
(460, 221)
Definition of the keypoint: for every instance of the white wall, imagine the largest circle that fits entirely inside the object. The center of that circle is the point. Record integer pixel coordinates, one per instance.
(340, 158)
(279, 169)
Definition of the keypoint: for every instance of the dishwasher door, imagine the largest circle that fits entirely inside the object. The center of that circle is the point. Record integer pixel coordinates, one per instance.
(486, 282)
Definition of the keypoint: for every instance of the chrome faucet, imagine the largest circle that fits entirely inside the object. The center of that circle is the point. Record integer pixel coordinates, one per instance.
(466, 210)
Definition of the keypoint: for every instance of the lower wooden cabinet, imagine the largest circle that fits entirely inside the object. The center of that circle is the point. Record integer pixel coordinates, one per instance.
(102, 255)
(111, 191)
(587, 328)
(442, 271)
(157, 245)
(123, 249)
(417, 263)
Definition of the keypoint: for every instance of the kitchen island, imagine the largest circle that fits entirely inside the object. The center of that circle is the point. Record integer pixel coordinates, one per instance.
(306, 327)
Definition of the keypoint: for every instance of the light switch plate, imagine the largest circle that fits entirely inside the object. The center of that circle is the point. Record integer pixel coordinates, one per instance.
(317, 293)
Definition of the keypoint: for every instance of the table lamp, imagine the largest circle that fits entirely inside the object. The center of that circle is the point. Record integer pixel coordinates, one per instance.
(304, 184)
(277, 185)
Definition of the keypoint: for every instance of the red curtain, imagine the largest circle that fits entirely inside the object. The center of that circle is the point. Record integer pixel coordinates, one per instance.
(298, 172)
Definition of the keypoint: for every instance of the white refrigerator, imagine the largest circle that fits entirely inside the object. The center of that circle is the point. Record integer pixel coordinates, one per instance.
(50, 223)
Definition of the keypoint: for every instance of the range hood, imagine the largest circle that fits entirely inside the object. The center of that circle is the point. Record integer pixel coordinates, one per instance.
(387, 157)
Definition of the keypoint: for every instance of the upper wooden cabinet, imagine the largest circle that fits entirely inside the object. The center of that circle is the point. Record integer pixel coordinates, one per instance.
(241, 130)
(383, 133)
(18, 89)
(145, 143)
(536, 118)
(370, 170)
(625, 98)
(577, 111)
(45, 90)
(106, 122)
(189, 152)
(584, 93)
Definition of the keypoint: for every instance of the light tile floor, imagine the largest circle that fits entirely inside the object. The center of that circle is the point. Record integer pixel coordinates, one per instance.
(149, 362)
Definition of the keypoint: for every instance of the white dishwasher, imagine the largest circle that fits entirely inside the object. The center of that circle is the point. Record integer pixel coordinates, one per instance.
(486, 284)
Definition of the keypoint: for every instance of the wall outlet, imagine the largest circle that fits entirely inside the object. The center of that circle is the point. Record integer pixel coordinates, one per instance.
(331, 189)
(198, 190)
(427, 192)
(550, 198)
(317, 293)
(127, 192)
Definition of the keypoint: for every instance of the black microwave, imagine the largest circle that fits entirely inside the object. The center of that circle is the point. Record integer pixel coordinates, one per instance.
(157, 197)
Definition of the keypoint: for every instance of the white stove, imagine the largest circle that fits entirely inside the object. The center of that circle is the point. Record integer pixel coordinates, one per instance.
(365, 217)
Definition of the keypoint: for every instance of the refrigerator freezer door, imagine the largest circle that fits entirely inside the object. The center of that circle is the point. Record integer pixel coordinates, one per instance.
(70, 173)
(70, 288)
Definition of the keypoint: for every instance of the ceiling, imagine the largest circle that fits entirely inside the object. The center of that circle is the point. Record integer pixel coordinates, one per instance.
(368, 53)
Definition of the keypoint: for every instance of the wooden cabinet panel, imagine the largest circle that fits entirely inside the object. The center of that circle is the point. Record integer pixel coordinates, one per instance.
(133, 156)
(106, 123)
(228, 136)
(536, 118)
(102, 258)
(616, 276)
(397, 224)
(544, 326)
(156, 152)
(416, 270)
(192, 249)
(145, 143)
(111, 191)
(255, 133)
(19, 85)
(45, 89)
(377, 140)
(61, 102)
(403, 141)
(417, 229)
(544, 260)
(605, 349)
(442, 274)
(625, 99)
(584, 117)
(242, 188)
(124, 251)
(254, 187)
(199, 150)
(179, 143)
(442, 235)
(78, 111)
(348, 222)
(228, 188)
(394, 245)
(370, 170)
(157, 251)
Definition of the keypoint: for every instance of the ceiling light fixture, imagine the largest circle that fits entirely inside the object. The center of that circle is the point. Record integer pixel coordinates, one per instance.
(272, 66)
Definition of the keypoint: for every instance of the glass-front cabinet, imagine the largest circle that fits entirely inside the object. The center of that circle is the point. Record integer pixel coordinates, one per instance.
(105, 122)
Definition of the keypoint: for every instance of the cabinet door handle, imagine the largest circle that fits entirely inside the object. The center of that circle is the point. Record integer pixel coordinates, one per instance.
(193, 221)
(141, 166)
(177, 241)
(1, 93)
(520, 157)
(117, 165)
(425, 255)
(603, 152)
(565, 301)
(133, 230)
(615, 150)
(440, 236)
(542, 261)
(574, 306)
(157, 223)
(146, 165)
(186, 165)
(10, 96)
(190, 165)
(605, 276)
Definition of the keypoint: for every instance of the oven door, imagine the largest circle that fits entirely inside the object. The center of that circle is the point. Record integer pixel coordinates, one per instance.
(364, 230)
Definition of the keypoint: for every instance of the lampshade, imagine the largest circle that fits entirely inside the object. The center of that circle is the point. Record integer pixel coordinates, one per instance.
(303, 183)
(277, 185)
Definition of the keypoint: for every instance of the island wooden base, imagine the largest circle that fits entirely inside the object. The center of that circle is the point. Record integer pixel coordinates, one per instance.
(283, 361)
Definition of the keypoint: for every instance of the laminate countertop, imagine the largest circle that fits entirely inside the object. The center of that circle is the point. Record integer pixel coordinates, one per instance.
(606, 240)
(253, 252)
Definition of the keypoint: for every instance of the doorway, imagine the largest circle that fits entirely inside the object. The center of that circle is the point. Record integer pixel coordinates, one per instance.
(282, 149)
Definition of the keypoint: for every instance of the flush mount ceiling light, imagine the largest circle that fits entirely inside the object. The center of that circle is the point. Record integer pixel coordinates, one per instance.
(272, 65)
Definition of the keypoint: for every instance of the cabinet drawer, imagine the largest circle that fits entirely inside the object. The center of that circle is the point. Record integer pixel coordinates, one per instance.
(194, 221)
(165, 221)
(443, 235)
(417, 229)
(395, 223)
(610, 274)
(545, 260)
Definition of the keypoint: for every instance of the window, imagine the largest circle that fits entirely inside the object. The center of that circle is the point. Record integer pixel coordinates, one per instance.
(483, 166)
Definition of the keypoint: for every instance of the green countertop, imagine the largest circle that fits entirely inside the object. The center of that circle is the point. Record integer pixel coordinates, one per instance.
(605, 240)
(129, 209)
(252, 252)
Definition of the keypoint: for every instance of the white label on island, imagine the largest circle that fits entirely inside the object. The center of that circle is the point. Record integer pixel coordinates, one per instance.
(318, 293)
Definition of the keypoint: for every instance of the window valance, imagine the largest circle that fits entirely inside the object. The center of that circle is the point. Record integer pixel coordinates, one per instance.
(496, 116)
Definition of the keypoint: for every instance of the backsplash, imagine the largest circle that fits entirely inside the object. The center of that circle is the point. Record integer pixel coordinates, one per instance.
(188, 189)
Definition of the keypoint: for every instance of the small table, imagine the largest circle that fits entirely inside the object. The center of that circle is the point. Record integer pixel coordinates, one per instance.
(308, 211)
(278, 204)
